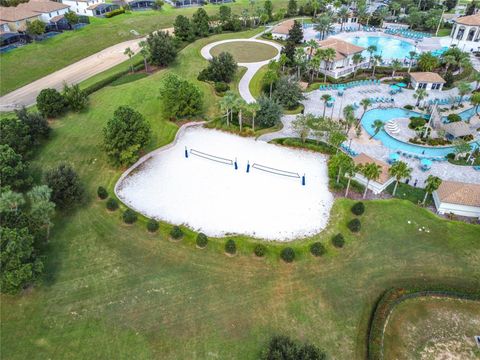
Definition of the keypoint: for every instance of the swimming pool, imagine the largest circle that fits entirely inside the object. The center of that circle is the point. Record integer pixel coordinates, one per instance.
(388, 48)
(386, 115)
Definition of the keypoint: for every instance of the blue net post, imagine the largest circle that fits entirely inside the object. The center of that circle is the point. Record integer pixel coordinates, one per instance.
(235, 163)
(303, 180)
(248, 166)
(186, 152)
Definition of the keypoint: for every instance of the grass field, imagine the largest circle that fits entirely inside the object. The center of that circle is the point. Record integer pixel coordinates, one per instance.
(42, 58)
(246, 51)
(433, 328)
(115, 291)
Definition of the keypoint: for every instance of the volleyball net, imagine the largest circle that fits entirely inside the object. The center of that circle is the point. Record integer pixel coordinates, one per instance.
(211, 157)
(275, 171)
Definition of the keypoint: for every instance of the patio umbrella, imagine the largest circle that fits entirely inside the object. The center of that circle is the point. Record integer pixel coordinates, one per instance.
(394, 87)
(394, 157)
(401, 85)
(426, 163)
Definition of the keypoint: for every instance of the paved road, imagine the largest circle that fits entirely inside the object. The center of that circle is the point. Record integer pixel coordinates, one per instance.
(252, 67)
(72, 74)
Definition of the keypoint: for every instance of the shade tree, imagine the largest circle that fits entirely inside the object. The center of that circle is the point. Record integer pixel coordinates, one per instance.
(180, 98)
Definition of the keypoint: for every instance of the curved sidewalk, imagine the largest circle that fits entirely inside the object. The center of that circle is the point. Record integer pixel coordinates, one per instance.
(252, 67)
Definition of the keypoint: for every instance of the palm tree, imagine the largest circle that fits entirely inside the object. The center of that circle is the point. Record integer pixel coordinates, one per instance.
(299, 60)
(315, 5)
(449, 60)
(326, 98)
(371, 49)
(329, 55)
(342, 162)
(463, 89)
(357, 59)
(420, 94)
(371, 171)
(323, 25)
(411, 57)
(400, 170)
(350, 173)
(282, 61)
(240, 106)
(312, 45)
(144, 51)
(377, 59)
(314, 66)
(227, 103)
(376, 126)
(342, 14)
(336, 138)
(431, 184)
(395, 7)
(270, 77)
(129, 52)
(396, 65)
(475, 100)
(253, 108)
(365, 103)
(476, 78)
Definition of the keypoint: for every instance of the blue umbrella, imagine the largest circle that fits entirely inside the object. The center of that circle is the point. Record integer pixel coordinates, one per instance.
(394, 157)
(393, 86)
(401, 84)
(426, 163)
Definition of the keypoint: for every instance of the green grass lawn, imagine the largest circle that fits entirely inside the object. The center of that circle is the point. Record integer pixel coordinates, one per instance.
(246, 51)
(115, 291)
(433, 328)
(42, 58)
(257, 82)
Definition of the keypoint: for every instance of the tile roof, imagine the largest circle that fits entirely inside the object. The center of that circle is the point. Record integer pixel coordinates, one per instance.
(343, 47)
(471, 20)
(459, 193)
(427, 77)
(11, 14)
(363, 159)
(283, 27)
(43, 6)
(457, 129)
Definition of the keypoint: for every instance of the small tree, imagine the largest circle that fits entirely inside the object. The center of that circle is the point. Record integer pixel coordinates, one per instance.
(354, 225)
(371, 171)
(152, 225)
(358, 208)
(129, 53)
(35, 28)
(377, 126)
(431, 184)
(41, 211)
(200, 23)
(180, 98)
(67, 190)
(399, 170)
(260, 250)
(161, 48)
(269, 114)
(16, 134)
(317, 249)
(129, 216)
(183, 28)
(102, 193)
(125, 135)
(221, 68)
(230, 247)
(301, 126)
(288, 92)
(72, 18)
(50, 103)
(202, 240)
(287, 254)
(145, 53)
(75, 98)
(13, 170)
(338, 241)
(176, 233)
(112, 204)
(295, 34)
(37, 124)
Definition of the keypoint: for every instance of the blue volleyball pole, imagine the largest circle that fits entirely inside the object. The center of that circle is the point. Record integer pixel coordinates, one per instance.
(186, 152)
(248, 166)
(236, 165)
(303, 180)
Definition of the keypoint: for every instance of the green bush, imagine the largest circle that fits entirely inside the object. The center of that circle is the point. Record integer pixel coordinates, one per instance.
(50, 103)
(354, 225)
(176, 233)
(317, 249)
(358, 208)
(152, 225)
(221, 87)
(338, 240)
(129, 216)
(102, 193)
(112, 204)
(260, 250)
(408, 107)
(115, 13)
(230, 247)
(454, 118)
(451, 156)
(287, 254)
(416, 122)
(202, 240)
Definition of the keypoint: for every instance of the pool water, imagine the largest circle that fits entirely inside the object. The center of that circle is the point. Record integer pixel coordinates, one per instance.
(386, 115)
(388, 48)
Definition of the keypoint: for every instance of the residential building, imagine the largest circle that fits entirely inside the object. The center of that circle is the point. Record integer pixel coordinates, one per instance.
(458, 198)
(376, 186)
(16, 18)
(426, 80)
(342, 65)
(84, 7)
(281, 30)
(466, 28)
(45, 8)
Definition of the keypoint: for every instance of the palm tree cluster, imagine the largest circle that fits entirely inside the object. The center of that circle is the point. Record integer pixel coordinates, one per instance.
(232, 104)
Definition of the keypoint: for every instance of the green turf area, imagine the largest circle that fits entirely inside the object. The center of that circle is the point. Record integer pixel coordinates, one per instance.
(433, 328)
(444, 31)
(246, 52)
(257, 82)
(115, 291)
(42, 58)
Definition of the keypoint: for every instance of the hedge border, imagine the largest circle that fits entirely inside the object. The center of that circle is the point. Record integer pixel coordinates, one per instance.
(394, 296)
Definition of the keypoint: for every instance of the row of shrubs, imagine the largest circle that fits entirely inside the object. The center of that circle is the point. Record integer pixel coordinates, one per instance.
(392, 297)
(115, 12)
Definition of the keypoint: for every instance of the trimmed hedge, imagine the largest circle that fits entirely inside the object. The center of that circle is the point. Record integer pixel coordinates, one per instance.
(129, 216)
(354, 225)
(115, 13)
(110, 79)
(358, 208)
(102, 193)
(393, 296)
(152, 225)
(112, 204)
(338, 240)
(287, 254)
(260, 250)
(176, 233)
(230, 247)
(317, 249)
(202, 240)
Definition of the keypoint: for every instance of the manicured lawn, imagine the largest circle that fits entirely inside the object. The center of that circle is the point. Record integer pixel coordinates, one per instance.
(42, 58)
(246, 51)
(115, 291)
(257, 82)
(433, 328)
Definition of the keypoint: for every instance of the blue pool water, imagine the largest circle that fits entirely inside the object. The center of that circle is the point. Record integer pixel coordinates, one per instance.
(388, 48)
(394, 113)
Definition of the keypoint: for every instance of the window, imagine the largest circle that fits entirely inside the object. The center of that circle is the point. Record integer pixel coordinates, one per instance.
(422, 85)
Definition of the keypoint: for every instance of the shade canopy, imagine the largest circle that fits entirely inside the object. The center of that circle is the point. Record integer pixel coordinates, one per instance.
(394, 156)
(401, 84)
(394, 86)
(426, 163)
